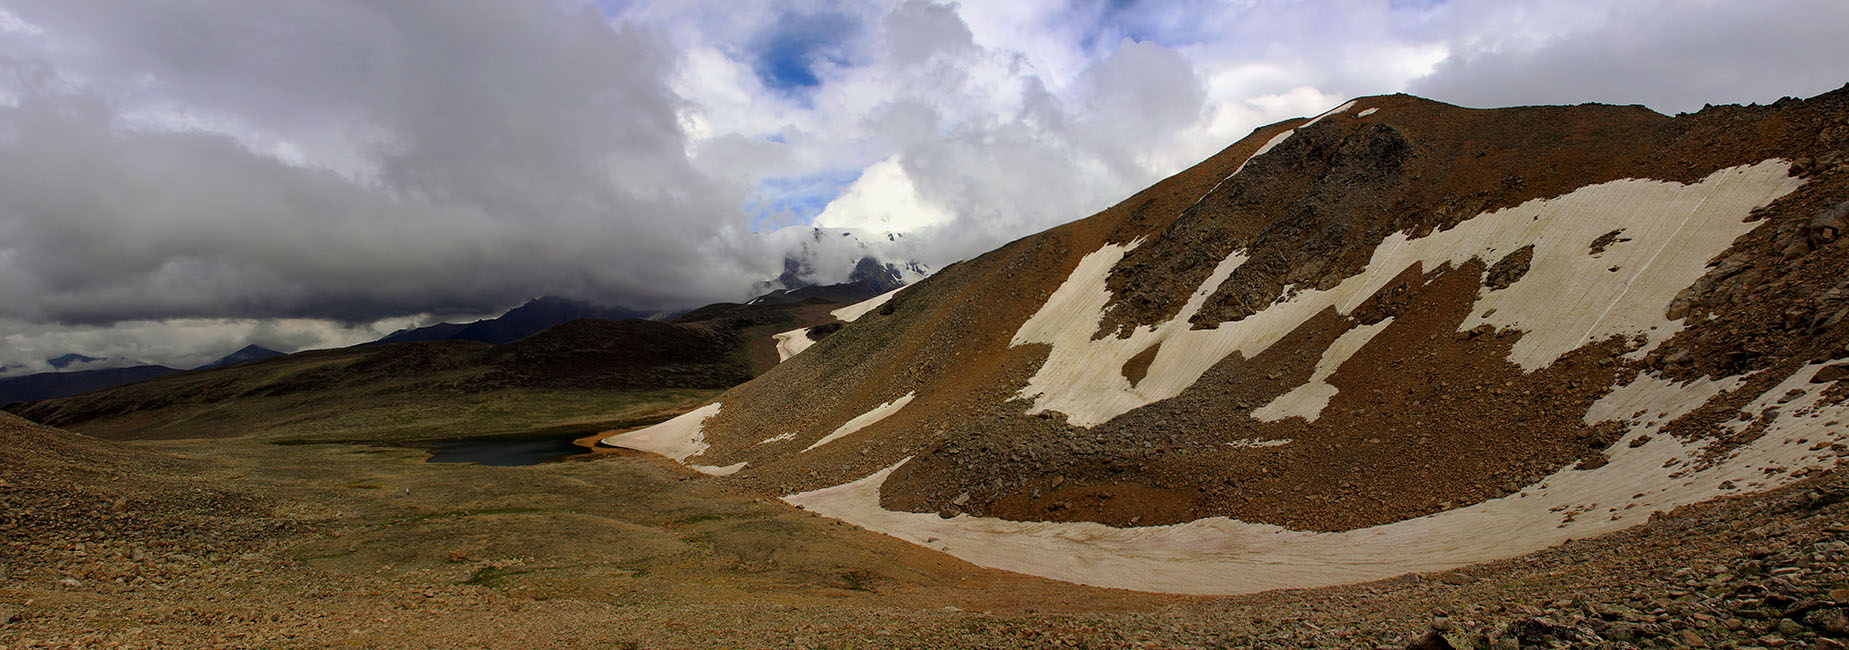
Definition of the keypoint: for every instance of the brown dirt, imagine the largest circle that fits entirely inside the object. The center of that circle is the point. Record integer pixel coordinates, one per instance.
(231, 543)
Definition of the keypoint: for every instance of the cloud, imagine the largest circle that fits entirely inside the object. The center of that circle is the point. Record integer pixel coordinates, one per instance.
(882, 200)
(339, 162)
(1672, 56)
(484, 153)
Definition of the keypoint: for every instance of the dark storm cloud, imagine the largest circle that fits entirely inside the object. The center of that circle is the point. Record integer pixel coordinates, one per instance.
(346, 160)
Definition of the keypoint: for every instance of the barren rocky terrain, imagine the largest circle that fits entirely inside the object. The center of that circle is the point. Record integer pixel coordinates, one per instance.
(246, 544)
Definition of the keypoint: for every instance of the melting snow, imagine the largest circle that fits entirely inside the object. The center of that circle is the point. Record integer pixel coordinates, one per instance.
(1248, 443)
(1567, 299)
(864, 420)
(1307, 401)
(718, 471)
(791, 343)
(853, 312)
(680, 438)
(1225, 556)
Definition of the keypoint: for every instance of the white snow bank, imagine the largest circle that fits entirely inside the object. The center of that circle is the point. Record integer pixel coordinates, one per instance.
(1333, 111)
(679, 438)
(853, 312)
(1224, 556)
(718, 471)
(1367, 112)
(864, 420)
(1568, 298)
(791, 343)
(1307, 401)
(1251, 443)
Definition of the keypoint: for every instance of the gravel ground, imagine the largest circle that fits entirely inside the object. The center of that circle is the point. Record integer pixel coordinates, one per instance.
(241, 544)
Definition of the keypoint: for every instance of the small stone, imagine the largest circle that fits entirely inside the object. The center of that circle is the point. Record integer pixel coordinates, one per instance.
(1790, 627)
(8, 616)
(1691, 639)
(1833, 621)
(70, 582)
(1621, 631)
(1839, 595)
(1433, 640)
(1457, 578)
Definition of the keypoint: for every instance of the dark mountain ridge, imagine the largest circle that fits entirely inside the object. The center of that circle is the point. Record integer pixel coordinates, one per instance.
(520, 322)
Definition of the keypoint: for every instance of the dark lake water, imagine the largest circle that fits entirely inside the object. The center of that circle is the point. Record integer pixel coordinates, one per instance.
(505, 450)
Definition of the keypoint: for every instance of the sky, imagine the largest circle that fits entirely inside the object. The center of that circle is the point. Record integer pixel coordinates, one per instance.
(179, 178)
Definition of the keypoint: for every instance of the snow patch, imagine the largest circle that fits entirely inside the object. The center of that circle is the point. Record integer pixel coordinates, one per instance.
(778, 438)
(852, 312)
(791, 343)
(718, 471)
(865, 420)
(1367, 112)
(1225, 556)
(1249, 443)
(1307, 401)
(1566, 300)
(1333, 111)
(680, 438)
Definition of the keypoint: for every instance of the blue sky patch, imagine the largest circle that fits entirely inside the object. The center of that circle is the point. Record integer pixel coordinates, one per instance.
(796, 200)
(1169, 23)
(784, 56)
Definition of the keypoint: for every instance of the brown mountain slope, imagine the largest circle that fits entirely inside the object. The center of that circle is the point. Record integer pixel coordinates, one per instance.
(1397, 309)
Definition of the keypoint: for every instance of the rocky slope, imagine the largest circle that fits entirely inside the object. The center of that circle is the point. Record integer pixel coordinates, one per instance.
(1398, 336)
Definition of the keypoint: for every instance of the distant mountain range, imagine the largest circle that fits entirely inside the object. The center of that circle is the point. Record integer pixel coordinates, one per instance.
(869, 278)
(53, 385)
(832, 256)
(631, 359)
(518, 323)
(248, 354)
(67, 360)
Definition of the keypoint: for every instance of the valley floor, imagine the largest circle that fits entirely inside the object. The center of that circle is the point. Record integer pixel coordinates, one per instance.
(244, 543)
